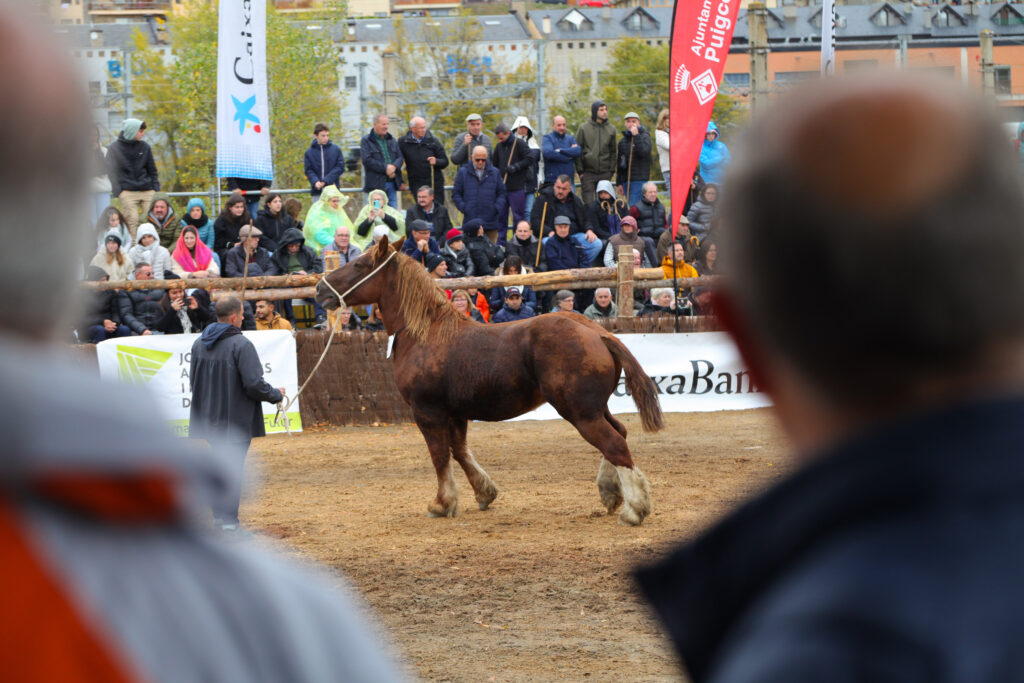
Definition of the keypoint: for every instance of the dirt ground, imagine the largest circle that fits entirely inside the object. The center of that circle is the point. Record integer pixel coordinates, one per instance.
(538, 587)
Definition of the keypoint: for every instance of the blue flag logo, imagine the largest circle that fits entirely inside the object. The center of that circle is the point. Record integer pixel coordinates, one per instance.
(244, 115)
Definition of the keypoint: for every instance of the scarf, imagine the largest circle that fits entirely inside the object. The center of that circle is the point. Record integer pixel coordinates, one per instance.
(383, 144)
(203, 255)
(186, 322)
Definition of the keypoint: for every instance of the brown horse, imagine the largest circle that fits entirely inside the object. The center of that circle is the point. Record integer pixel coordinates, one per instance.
(451, 369)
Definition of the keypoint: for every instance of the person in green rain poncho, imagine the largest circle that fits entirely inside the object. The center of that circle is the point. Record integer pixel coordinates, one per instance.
(325, 216)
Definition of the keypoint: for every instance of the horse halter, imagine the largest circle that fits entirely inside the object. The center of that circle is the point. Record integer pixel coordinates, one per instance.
(341, 297)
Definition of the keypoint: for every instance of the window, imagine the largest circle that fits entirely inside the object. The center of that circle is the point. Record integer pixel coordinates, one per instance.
(887, 16)
(426, 82)
(783, 77)
(558, 46)
(94, 88)
(351, 82)
(854, 65)
(947, 18)
(1003, 80)
(1007, 16)
(512, 47)
(586, 77)
(363, 49)
(604, 43)
(581, 45)
(737, 80)
(478, 79)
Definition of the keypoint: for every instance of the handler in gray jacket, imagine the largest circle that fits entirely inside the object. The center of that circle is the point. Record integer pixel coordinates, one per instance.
(227, 388)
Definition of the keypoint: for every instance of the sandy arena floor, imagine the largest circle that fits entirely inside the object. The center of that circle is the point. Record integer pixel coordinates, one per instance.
(537, 588)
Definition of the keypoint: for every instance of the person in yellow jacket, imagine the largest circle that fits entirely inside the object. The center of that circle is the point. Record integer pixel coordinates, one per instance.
(269, 319)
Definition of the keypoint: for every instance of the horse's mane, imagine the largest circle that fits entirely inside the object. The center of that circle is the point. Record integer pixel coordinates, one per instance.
(423, 303)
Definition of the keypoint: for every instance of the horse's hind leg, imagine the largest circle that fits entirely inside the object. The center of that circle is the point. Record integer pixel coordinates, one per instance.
(483, 487)
(607, 478)
(435, 432)
(632, 485)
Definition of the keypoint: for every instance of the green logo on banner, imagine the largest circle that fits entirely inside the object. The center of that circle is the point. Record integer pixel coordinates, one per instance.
(137, 366)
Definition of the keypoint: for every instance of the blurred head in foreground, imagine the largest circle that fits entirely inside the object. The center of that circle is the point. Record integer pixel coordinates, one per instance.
(875, 242)
(48, 112)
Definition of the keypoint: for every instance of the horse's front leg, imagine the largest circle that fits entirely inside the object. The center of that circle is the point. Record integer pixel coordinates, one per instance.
(483, 487)
(435, 432)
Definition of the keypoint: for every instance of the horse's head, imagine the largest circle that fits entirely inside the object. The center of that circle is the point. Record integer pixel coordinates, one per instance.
(358, 281)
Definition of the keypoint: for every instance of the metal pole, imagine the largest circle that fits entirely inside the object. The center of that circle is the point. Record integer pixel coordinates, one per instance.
(542, 112)
(988, 67)
(127, 84)
(904, 44)
(362, 113)
(758, 32)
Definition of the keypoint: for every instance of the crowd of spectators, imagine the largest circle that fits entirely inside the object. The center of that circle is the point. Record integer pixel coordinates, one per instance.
(521, 202)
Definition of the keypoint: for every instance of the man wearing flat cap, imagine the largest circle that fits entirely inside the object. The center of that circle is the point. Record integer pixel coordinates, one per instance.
(260, 260)
(634, 159)
(462, 150)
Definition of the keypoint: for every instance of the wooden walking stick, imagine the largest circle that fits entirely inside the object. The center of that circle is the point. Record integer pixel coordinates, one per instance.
(245, 248)
(514, 140)
(540, 240)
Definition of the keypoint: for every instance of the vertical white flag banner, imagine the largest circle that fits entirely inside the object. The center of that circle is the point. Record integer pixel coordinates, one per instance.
(243, 116)
(828, 37)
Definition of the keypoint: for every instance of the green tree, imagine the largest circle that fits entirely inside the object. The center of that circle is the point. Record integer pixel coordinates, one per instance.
(447, 55)
(179, 99)
(637, 79)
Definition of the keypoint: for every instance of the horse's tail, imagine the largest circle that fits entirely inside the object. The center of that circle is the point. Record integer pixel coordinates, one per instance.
(642, 387)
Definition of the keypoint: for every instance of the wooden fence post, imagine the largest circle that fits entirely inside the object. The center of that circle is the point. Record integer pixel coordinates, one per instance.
(624, 279)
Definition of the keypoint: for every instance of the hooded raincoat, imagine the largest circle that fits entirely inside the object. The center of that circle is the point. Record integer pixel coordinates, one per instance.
(362, 237)
(714, 157)
(322, 220)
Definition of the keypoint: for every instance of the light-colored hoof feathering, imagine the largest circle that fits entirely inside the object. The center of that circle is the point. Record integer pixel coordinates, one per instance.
(608, 486)
(486, 495)
(637, 494)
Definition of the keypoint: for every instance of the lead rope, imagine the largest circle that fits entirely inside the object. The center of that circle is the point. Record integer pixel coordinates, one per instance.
(282, 407)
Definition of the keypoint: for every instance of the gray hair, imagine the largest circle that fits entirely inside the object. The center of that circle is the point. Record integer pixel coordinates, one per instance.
(648, 185)
(657, 292)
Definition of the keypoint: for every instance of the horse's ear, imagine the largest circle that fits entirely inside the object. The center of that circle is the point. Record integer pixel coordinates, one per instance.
(381, 252)
(397, 244)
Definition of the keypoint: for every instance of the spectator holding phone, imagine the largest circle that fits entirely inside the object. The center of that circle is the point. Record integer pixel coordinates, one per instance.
(377, 212)
(183, 314)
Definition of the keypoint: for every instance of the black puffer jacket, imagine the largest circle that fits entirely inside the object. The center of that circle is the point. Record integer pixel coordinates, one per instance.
(417, 167)
(527, 251)
(273, 228)
(101, 305)
(485, 254)
(310, 262)
(140, 308)
(131, 166)
(260, 263)
(460, 263)
(635, 169)
(651, 219)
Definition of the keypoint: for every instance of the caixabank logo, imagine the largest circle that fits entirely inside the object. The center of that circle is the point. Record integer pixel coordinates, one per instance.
(138, 366)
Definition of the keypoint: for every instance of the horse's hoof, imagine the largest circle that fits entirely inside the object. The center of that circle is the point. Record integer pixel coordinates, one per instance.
(611, 500)
(486, 497)
(435, 510)
(630, 517)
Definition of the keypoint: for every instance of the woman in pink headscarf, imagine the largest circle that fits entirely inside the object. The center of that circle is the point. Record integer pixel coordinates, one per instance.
(192, 258)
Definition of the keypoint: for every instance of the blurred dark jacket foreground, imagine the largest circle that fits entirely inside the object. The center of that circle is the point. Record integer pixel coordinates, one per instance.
(897, 556)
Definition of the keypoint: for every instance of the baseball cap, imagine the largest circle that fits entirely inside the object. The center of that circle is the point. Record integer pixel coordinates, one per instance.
(513, 291)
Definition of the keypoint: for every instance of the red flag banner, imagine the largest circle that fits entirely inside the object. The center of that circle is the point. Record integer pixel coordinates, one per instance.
(701, 35)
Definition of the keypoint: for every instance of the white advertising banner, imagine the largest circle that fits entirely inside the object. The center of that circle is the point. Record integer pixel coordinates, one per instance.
(243, 115)
(161, 363)
(696, 372)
